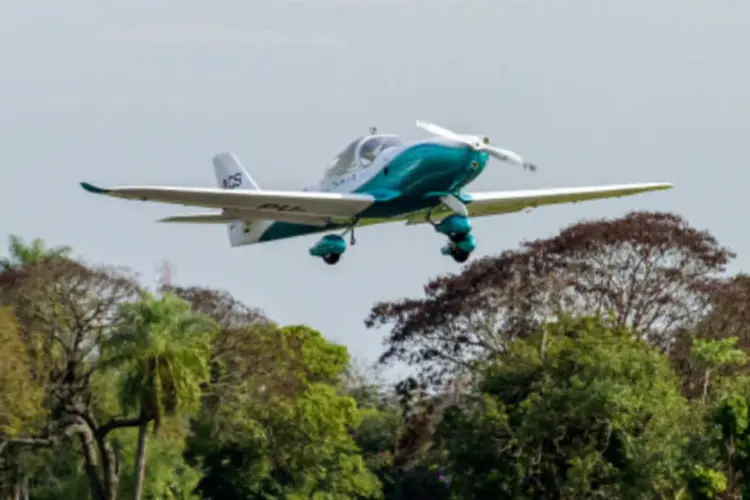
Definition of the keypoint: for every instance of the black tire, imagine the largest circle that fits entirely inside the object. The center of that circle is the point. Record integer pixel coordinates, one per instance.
(457, 237)
(459, 255)
(331, 258)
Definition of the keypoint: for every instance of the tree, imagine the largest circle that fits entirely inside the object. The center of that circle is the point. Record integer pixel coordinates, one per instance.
(65, 310)
(273, 423)
(162, 348)
(20, 395)
(168, 476)
(542, 372)
(23, 255)
(714, 355)
(720, 442)
(21, 399)
(654, 271)
(726, 321)
(599, 416)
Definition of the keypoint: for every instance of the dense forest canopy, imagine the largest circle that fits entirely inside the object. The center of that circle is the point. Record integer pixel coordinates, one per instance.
(608, 361)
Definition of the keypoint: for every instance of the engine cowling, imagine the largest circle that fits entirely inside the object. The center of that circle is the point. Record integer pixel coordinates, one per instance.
(454, 224)
(327, 245)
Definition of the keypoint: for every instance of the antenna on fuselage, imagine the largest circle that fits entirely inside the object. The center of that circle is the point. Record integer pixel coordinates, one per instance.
(373, 130)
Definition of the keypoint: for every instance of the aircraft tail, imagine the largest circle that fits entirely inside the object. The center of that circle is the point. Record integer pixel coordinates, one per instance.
(230, 174)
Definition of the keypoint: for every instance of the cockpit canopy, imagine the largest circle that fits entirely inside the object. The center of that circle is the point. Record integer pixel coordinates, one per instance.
(360, 153)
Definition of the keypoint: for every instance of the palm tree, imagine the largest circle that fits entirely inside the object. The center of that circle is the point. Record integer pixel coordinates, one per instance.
(162, 354)
(23, 255)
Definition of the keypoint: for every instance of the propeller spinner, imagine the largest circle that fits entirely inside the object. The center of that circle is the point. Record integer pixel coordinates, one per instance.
(478, 144)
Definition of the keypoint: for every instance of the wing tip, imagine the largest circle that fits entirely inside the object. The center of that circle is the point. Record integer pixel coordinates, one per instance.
(93, 189)
(659, 186)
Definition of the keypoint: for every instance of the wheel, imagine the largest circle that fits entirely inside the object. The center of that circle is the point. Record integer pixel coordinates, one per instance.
(331, 258)
(459, 255)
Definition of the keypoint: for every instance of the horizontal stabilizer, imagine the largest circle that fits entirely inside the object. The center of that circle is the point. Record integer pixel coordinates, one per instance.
(200, 219)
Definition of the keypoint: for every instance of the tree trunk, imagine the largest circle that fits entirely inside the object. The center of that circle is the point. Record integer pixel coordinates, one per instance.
(140, 459)
(89, 455)
(705, 384)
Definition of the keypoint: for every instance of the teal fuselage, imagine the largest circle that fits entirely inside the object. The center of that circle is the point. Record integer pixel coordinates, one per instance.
(407, 183)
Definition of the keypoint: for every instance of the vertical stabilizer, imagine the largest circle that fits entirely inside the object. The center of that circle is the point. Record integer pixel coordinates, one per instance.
(230, 174)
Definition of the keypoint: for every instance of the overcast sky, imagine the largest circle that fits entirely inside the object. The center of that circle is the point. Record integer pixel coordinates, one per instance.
(146, 91)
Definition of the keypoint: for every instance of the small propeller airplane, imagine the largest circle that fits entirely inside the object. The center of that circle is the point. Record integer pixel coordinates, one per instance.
(376, 179)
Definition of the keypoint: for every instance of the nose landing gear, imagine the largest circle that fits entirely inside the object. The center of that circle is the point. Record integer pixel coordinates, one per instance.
(458, 230)
(460, 250)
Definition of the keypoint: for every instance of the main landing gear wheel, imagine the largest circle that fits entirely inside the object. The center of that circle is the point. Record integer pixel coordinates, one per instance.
(331, 258)
(459, 255)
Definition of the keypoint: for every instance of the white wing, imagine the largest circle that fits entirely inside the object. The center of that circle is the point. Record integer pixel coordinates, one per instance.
(319, 209)
(265, 204)
(503, 202)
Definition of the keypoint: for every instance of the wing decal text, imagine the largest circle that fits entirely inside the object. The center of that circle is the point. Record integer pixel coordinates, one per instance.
(281, 207)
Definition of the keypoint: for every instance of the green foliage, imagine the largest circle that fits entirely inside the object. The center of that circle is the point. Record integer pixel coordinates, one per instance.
(705, 484)
(521, 389)
(718, 353)
(161, 349)
(57, 474)
(712, 356)
(289, 444)
(20, 395)
(321, 360)
(169, 476)
(599, 415)
(22, 255)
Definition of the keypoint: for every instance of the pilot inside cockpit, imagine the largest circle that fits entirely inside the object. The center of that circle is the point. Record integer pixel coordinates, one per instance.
(369, 151)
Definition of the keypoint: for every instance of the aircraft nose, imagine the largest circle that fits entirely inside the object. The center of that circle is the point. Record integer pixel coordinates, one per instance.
(444, 156)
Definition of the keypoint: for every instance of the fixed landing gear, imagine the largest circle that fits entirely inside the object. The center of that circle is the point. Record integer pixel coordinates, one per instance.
(458, 230)
(331, 247)
(458, 237)
(460, 251)
(331, 258)
(459, 255)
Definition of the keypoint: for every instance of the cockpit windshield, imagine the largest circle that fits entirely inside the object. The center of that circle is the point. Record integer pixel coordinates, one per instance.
(360, 153)
(344, 161)
(372, 146)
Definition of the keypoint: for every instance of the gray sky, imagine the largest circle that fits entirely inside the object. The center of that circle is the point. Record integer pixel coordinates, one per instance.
(145, 91)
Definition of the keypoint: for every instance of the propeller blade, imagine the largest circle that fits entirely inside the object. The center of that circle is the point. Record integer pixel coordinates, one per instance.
(478, 144)
(503, 155)
(509, 157)
(440, 131)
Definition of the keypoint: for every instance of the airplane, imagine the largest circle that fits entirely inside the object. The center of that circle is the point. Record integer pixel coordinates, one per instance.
(376, 178)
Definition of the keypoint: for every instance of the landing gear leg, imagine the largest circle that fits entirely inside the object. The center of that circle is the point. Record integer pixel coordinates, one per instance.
(350, 231)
